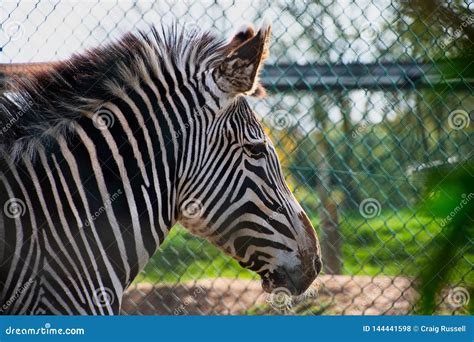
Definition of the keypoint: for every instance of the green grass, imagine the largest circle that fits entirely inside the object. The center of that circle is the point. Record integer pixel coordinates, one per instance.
(185, 257)
(393, 243)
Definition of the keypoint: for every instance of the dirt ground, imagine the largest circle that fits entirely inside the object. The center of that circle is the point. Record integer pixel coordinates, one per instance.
(348, 295)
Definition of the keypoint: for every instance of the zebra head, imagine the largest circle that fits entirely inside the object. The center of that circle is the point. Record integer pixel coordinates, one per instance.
(232, 190)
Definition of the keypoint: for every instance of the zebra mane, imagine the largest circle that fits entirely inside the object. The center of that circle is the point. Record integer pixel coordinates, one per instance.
(45, 103)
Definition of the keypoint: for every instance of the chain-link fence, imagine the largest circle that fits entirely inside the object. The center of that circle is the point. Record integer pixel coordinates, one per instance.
(365, 99)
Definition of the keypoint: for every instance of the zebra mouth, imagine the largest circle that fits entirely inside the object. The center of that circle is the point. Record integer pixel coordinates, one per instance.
(275, 280)
(294, 281)
(266, 284)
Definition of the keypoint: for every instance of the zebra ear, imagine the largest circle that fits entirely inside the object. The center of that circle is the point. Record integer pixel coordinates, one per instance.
(239, 72)
(243, 34)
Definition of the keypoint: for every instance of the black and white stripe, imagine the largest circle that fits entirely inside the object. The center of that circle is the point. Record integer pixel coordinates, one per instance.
(111, 148)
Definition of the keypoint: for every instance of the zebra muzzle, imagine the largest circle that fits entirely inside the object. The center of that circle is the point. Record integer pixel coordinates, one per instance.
(296, 280)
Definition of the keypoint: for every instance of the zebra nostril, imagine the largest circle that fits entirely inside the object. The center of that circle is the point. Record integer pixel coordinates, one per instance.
(317, 265)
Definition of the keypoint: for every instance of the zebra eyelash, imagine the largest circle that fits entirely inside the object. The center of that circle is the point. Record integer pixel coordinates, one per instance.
(256, 150)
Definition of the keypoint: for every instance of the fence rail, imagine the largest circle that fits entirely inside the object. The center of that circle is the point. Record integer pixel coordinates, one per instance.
(376, 76)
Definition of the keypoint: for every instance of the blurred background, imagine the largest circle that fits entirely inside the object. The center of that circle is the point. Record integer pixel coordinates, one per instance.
(371, 108)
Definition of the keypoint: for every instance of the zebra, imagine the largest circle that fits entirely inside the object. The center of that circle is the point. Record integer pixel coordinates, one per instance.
(103, 153)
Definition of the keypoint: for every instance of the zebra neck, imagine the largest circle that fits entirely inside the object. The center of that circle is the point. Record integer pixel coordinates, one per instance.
(134, 163)
(97, 199)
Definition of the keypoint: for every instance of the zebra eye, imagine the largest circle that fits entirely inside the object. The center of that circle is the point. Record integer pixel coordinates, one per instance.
(256, 149)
